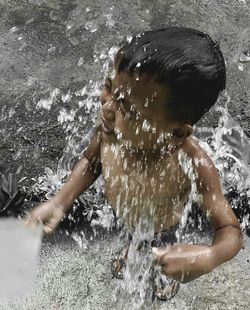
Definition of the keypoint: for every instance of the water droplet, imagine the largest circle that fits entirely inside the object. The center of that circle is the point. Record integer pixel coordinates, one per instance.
(119, 135)
(91, 26)
(146, 103)
(14, 29)
(241, 67)
(160, 138)
(80, 61)
(110, 21)
(153, 129)
(245, 58)
(129, 39)
(125, 164)
(146, 126)
(121, 96)
(46, 103)
(65, 116)
(129, 90)
(52, 49)
(103, 56)
(30, 21)
(67, 97)
(80, 239)
(74, 41)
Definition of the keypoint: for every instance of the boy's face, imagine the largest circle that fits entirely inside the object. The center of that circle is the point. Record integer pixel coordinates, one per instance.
(133, 112)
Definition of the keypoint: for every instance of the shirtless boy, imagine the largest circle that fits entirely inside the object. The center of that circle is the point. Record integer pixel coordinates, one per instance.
(164, 81)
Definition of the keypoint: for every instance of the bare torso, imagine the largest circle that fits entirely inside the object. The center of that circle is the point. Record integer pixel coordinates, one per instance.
(150, 190)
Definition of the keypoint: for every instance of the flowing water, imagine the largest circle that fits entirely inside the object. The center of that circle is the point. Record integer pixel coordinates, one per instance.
(226, 144)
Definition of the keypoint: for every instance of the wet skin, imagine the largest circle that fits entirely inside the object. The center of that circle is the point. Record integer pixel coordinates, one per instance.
(141, 170)
(145, 183)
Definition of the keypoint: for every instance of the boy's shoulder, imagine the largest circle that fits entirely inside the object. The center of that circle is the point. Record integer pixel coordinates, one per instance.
(192, 148)
(202, 163)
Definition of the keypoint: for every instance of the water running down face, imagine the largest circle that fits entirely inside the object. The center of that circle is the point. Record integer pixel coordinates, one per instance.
(134, 113)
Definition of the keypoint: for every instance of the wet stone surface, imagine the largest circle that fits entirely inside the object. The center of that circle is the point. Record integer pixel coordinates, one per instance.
(52, 49)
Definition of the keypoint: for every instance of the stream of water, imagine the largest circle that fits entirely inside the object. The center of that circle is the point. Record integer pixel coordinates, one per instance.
(226, 144)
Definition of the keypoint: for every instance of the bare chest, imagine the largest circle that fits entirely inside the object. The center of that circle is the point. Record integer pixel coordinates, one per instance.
(143, 187)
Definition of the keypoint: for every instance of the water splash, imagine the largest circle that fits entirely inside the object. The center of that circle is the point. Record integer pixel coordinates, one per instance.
(91, 26)
(137, 276)
(229, 148)
(227, 145)
(46, 103)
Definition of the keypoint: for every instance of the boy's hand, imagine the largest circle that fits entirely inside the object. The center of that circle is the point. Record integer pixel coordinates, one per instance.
(47, 214)
(184, 262)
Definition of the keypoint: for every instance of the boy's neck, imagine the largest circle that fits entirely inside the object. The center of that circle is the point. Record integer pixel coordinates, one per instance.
(166, 150)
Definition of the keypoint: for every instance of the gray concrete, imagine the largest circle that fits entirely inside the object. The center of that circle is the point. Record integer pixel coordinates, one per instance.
(42, 42)
(57, 44)
(71, 277)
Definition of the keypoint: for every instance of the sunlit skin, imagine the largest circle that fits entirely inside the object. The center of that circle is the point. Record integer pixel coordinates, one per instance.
(144, 180)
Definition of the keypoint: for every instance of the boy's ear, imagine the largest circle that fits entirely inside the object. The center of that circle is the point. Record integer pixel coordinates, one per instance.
(183, 131)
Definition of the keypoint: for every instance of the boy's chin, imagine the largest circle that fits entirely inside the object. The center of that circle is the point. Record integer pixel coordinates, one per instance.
(109, 137)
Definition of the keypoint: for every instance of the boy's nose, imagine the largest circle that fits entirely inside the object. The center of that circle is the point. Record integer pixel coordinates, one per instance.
(107, 111)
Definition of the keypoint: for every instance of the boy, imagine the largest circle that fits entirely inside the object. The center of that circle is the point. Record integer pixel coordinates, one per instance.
(165, 80)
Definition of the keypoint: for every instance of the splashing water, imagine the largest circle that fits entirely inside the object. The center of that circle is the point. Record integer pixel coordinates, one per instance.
(137, 276)
(229, 149)
(227, 145)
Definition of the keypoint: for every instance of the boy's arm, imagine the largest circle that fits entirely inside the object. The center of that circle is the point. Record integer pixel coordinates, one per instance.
(187, 262)
(85, 172)
(227, 240)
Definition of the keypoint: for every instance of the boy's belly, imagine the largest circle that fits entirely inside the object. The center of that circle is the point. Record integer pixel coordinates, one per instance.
(147, 214)
(152, 196)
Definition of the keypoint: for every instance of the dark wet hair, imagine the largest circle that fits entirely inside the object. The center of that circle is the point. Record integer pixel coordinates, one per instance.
(186, 60)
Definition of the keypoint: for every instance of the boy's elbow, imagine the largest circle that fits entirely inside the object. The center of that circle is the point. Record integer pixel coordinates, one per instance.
(237, 239)
(240, 237)
(228, 240)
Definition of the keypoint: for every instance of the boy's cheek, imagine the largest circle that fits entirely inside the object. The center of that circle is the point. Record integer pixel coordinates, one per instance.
(123, 125)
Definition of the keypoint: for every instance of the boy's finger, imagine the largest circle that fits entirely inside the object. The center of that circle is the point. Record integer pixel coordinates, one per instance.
(161, 251)
(160, 255)
(30, 220)
(47, 229)
(156, 251)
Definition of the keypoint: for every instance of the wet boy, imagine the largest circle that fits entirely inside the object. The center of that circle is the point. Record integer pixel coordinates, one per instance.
(165, 80)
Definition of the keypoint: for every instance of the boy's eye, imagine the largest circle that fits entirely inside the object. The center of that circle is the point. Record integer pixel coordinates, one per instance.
(108, 84)
(127, 109)
(121, 103)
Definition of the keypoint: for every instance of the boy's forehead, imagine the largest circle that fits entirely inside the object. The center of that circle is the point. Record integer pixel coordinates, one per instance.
(141, 86)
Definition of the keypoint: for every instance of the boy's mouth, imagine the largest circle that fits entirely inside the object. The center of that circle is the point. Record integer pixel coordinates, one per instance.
(105, 128)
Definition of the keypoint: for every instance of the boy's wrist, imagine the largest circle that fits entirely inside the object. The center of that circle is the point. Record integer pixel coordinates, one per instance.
(58, 203)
